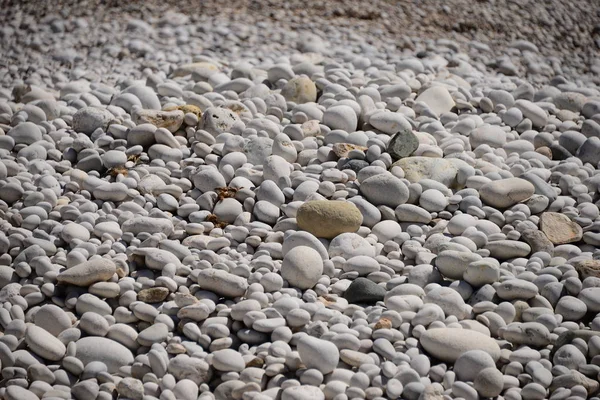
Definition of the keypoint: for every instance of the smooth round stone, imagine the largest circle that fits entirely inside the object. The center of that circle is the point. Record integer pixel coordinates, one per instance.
(146, 95)
(529, 333)
(302, 267)
(515, 289)
(113, 158)
(449, 344)
(482, 272)
(341, 117)
(390, 123)
(591, 297)
(115, 191)
(300, 90)
(569, 356)
(533, 391)
(385, 189)
(348, 245)
(303, 392)
(109, 352)
(490, 135)
(318, 354)
(327, 219)
(89, 272)
(208, 179)
(453, 264)
(93, 324)
(11, 192)
(505, 193)
(228, 360)
(109, 228)
(52, 318)
(14, 392)
(438, 99)
(470, 363)
(149, 225)
(449, 300)
(165, 153)
(413, 213)
(75, 231)
(25, 133)
(222, 282)
(535, 113)
(507, 249)
(364, 291)
(228, 210)
(571, 308)
(44, 344)
(489, 382)
(302, 238)
(433, 200)
(156, 333)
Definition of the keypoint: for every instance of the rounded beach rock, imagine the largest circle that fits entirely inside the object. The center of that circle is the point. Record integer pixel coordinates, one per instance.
(327, 219)
(302, 267)
(448, 344)
(89, 272)
(504, 193)
(318, 354)
(109, 352)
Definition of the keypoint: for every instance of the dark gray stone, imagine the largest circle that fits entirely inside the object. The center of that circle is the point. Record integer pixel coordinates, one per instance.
(589, 152)
(590, 128)
(590, 108)
(355, 165)
(364, 291)
(572, 140)
(559, 153)
(403, 144)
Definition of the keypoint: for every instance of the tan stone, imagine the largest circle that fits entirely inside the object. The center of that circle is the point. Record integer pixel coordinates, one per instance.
(202, 68)
(383, 323)
(300, 90)
(545, 151)
(342, 149)
(559, 228)
(187, 108)
(327, 219)
(588, 268)
(170, 120)
(153, 295)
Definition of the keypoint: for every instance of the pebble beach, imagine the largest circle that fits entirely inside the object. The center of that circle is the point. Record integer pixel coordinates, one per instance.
(299, 200)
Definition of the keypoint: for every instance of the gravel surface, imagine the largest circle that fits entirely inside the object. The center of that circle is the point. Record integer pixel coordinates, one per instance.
(299, 200)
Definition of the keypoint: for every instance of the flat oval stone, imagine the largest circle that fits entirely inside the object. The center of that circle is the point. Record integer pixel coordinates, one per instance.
(44, 344)
(448, 344)
(109, 352)
(504, 193)
(506, 249)
(222, 282)
(89, 272)
(385, 189)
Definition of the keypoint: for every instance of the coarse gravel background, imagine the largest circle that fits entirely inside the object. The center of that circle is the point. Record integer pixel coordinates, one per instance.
(567, 34)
